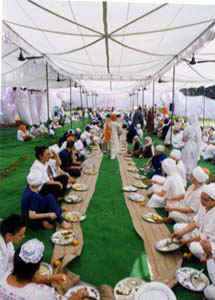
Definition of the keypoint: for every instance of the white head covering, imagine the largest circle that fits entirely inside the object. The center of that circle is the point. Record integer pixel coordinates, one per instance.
(175, 154)
(200, 175)
(32, 251)
(148, 140)
(78, 130)
(209, 189)
(138, 126)
(83, 136)
(160, 148)
(34, 178)
(169, 166)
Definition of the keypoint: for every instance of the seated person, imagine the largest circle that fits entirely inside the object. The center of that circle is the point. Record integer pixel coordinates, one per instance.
(131, 133)
(22, 134)
(190, 205)
(202, 227)
(173, 189)
(77, 133)
(209, 152)
(157, 159)
(69, 164)
(50, 184)
(79, 148)
(147, 149)
(137, 148)
(139, 131)
(20, 284)
(176, 155)
(40, 211)
(12, 231)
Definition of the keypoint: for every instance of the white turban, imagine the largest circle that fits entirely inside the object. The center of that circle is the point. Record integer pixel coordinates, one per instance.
(34, 178)
(32, 251)
(209, 189)
(160, 148)
(176, 154)
(200, 175)
(138, 126)
(169, 166)
(83, 136)
(78, 130)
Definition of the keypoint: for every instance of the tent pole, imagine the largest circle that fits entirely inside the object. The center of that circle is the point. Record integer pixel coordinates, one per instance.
(133, 101)
(137, 99)
(47, 89)
(204, 108)
(143, 99)
(173, 101)
(186, 104)
(153, 93)
(82, 117)
(70, 101)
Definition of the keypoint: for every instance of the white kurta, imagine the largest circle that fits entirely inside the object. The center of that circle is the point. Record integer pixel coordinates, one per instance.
(40, 170)
(191, 150)
(191, 200)
(6, 257)
(114, 140)
(209, 292)
(182, 171)
(31, 291)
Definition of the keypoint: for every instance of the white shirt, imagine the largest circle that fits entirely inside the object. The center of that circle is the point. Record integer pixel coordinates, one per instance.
(40, 168)
(31, 291)
(182, 171)
(79, 146)
(20, 135)
(173, 187)
(6, 257)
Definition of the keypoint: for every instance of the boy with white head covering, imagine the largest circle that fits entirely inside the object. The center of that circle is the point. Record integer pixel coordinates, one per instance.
(173, 190)
(176, 155)
(189, 207)
(203, 225)
(139, 131)
(209, 152)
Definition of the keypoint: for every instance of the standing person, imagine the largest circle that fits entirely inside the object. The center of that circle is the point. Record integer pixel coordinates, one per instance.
(138, 117)
(12, 231)
(192, 144)
(114, 136)
(107, 133)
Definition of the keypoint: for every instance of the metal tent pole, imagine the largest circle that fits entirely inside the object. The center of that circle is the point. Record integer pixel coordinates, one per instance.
(153, 93)
(137, 99)
(70, 101)
(204, 107)
(143, 98)
(82, 117)
(47, 90)
(173, 101)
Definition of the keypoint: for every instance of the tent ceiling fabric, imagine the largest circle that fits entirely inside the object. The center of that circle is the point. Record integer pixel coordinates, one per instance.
(130, 42)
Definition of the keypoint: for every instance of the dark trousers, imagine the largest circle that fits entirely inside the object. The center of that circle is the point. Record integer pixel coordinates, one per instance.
(55, 189)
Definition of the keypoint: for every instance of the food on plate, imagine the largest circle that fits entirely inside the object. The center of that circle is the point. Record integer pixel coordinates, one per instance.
(156, 218)
(75, 242)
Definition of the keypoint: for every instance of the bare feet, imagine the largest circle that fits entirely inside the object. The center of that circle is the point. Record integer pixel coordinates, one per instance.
(66, 225)
(47, 225)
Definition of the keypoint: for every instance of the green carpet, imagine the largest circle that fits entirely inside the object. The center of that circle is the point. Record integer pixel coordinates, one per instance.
(112, 248)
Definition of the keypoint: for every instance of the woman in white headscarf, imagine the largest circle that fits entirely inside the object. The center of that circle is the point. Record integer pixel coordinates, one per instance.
(203, 226)
(173, 189)
(190, 205)
(176, 155)
(192, 144)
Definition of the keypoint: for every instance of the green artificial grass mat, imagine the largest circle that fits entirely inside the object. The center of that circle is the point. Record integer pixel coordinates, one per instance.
(112, 248)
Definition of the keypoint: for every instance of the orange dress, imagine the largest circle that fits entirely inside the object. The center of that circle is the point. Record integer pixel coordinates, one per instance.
(107, 131)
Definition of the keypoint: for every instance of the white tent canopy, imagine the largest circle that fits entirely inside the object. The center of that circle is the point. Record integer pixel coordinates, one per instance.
(106, 40)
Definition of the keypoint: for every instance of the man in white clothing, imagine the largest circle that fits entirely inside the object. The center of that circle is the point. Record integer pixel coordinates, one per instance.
(176, 155)
(202, 227)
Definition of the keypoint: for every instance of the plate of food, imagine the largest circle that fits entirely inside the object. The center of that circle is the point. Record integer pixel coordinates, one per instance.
(136, 197)
(90, 172)
(152, 218)
(129, 188)
(92, 291)
(131, 163)
(72, 198)
(139, 177)
(139, 185)
(126, 287)
(168, 245)
(45, 269)
(192, 279)
(132, 170)
(74, 216)
(154, 290)
(63, 237)
(80, 187)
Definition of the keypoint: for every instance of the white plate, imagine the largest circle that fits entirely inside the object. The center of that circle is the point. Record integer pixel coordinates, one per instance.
(59, 237)
(167, 245)
(139, 177)
(45, 269)
(80, 187)
(93, 292)
(72, 198)
(129, 188)
(192, 279)
(74, 216)
(90, 172)
(132, 170)
(155, 291)
(136, 197)
(126, 287)
(148, 217)
(139, 185)
(128, 158)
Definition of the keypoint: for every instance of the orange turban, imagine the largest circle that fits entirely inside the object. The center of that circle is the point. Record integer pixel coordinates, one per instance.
(70, 138)
(22, 128)
(113, 117)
